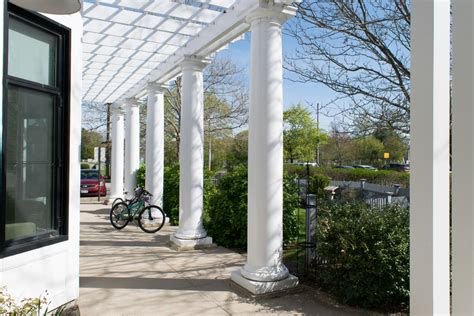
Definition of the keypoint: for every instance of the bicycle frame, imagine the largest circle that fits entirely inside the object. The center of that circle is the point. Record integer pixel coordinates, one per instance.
(135, 207)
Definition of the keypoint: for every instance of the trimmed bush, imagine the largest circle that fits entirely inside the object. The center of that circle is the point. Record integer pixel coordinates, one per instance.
(317, 183)
(383, 177)
(367, 253)
(171, 193)
(140, 175)
(85, 166)
(226, 215)
(226, 218)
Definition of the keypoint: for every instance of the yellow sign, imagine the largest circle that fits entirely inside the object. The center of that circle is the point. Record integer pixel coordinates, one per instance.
(386, 155)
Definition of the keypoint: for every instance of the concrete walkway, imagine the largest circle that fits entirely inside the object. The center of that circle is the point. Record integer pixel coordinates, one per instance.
(129, 272)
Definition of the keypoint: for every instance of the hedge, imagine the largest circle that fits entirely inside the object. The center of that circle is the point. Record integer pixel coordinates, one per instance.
(225, 204)
(226, 215)
(367, 254)
(383, 177)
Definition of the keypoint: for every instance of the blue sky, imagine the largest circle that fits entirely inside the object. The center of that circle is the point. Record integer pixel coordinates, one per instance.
(293, 92)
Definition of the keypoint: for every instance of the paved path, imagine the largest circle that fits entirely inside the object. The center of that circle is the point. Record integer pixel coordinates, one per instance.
(129, 272)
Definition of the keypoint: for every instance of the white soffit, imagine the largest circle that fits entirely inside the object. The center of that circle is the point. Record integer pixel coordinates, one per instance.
(128, 43)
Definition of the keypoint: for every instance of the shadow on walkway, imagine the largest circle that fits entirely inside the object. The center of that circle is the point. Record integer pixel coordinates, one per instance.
(129, 272)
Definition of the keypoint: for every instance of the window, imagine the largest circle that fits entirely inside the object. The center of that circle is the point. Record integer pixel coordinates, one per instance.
(35, 133)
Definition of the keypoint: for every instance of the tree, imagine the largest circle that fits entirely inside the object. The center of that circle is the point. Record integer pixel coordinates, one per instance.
(361, 50)
(300, 135)
(238, 152)
(368, 150)
(393, 143)
(89, 140)
(339, 148)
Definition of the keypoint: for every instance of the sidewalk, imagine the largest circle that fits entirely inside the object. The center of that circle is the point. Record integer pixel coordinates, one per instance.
(129, 272)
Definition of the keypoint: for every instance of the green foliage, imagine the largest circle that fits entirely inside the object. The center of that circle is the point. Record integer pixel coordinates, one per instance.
(291, 204)
(171, 193)
(238, 151)
(300, 135)
(383, 177)
(369, 150)
(341, 148)
(89, 140)
(227, 213)
(317, 183)
(393, 143)
(367, 251)
(25, 307)
(226, 218)
(85, 166)
(140, 175)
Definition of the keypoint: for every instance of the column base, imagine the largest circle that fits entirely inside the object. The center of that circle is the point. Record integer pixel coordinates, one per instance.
(259, 288)
(190, 244)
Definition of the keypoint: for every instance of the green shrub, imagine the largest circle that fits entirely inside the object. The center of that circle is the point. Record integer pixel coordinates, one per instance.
(85, 166)
(140, 175)
(171, 193)
(367, 252)
(317, 183)
(226, 218)
(383, 177)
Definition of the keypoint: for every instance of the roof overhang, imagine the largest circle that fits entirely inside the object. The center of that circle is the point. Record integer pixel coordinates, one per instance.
(130, 43)
(50, 6)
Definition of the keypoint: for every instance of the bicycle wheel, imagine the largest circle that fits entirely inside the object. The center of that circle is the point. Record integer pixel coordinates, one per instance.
(116, 201)
(119, 215)
(151, 219)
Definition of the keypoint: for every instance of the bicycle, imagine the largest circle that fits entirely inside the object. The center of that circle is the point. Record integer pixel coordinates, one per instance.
(150, 218)
(125, 199)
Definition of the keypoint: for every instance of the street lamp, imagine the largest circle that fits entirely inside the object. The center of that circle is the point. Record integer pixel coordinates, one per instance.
(50, 6)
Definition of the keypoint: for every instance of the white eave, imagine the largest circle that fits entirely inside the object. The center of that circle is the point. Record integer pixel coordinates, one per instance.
(129, 43)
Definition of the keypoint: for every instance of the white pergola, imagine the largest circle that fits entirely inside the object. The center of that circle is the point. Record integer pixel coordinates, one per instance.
(132, 48)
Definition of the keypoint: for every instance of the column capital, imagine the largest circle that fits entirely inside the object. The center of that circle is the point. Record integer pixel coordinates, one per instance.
(272, 13)
(193, 62)
(117, 109)
(131, 102)
(153, 87)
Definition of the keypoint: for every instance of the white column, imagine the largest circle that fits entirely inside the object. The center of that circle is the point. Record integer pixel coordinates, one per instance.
(264, 270)
(191, 232)
(132, 144)
(463, 157)
(155, 143)
(117, 151)
(429, 175)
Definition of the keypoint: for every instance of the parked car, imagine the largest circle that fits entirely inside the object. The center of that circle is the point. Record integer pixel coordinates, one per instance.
(90, 183)
(401, 167)
(368, 167)
(344, 167)
(311, 164)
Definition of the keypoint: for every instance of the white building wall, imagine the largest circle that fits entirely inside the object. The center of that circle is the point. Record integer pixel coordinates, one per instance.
(54, 268)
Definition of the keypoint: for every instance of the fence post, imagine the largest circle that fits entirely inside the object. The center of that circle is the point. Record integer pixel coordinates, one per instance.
(389, 198)
(396, 189)
(362, 184)
(311, 228)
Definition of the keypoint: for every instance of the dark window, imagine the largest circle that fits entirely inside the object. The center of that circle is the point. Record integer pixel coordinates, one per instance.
(35, 132)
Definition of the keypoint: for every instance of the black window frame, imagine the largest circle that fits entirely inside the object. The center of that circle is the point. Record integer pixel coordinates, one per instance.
(61, 130)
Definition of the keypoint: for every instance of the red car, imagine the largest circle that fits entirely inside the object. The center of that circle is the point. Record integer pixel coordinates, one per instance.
(90, 183)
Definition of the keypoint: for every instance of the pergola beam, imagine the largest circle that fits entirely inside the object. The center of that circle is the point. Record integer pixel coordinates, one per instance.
(175, 11)
(226, 28)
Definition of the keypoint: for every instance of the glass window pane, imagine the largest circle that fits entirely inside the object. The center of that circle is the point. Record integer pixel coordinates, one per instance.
(31, 53)
(29, 163)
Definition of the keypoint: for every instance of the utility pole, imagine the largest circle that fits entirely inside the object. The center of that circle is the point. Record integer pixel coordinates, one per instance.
(209, 157)
(99, 177)
(107, 147)
(318, 108)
